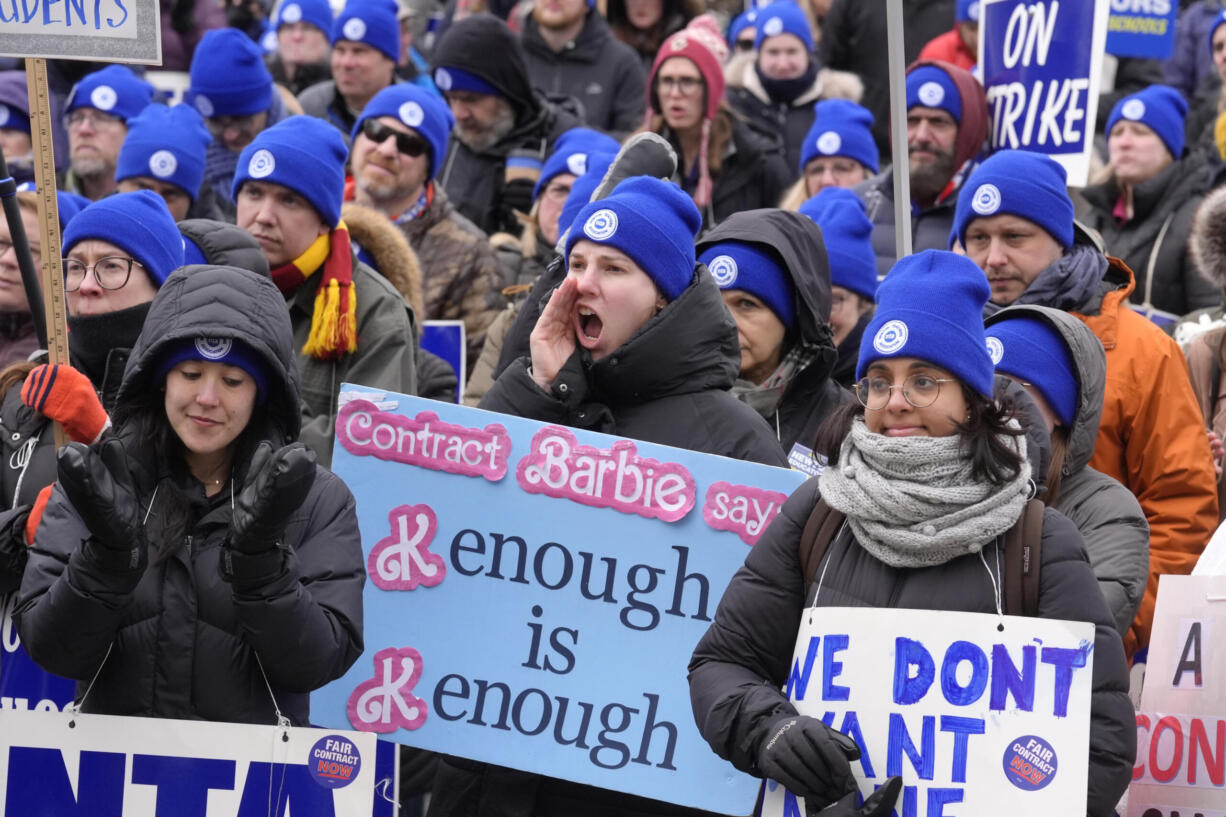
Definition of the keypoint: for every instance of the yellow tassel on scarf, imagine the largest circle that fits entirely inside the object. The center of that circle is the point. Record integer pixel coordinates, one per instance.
(334, 320)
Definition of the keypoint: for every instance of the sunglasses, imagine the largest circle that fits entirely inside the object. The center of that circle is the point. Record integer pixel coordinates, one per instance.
(409, 144)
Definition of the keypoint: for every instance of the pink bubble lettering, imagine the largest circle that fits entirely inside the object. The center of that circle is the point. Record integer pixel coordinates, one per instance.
(386, 702)
(742, 509)
(403, 561)
(618, 478)
(424, 440)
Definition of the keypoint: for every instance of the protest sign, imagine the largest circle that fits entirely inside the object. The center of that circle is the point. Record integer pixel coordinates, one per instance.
(535, 593)
(446, 339)
(58, 763)
(23, 684)
(105, 30)
(994, 721)
(1041, 62)
(1142, 28)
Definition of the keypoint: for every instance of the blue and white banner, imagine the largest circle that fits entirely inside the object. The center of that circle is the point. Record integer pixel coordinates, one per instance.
(24, 684)
(447, 340)
(1040, 63)
(1142, 28)
(535, 592)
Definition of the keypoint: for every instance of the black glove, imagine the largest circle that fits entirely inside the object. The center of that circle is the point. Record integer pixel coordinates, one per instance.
(517, 195)
(810, 759)
(276, 486)
(878, 804)
(100, 487)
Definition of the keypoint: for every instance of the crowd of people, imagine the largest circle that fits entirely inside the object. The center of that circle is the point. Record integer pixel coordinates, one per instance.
(661, 219)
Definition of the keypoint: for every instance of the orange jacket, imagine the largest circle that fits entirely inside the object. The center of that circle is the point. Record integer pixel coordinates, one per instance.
(1152, 438)
(950, 48)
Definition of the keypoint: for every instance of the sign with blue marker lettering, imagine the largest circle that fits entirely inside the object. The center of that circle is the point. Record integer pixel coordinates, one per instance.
(1041, 61)
(975, 719)
(1142, 28)
(24, 684)
(534, 593)
(106, 30)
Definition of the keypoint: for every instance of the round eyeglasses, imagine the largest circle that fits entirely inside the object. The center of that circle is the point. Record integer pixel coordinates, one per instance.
(920, 390)
(111, 272)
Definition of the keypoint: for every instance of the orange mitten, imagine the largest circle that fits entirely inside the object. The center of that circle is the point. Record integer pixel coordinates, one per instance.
(36, 513)
(66, 396)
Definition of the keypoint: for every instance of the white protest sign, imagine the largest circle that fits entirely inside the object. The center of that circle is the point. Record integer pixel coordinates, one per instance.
(106, 30)
(977, 720)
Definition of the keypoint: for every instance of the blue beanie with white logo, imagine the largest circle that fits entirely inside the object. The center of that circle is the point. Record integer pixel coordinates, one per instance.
(584, 186)
(840, 128)
(317, 13)
(68, 204)
(137, 223)
(303, 153)
(750, 268)
(744, 20)
(783, 17)
(228, 77)
(571, 152)
(226, 351)
(652, 221)
(930, 307)
(1018, 183)
(848, 236)
(414, 107)
(1031, 350)
(166, 144)
(1161, 108)
(115, 90)
(930, 87)
(372, 22)
(967, 11)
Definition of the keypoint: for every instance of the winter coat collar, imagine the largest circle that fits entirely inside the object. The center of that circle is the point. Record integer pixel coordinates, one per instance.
(588, 45)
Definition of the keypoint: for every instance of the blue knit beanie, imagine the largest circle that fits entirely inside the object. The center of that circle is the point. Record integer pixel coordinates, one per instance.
(68, 204)
(930, 307)
(931, 87)
(167, 144)
(652, 221)
(417, 108)
(137, 223)
(303, 153)
(783, 17)
(457, 79)
(840, 128)
(228, 77)
(967, 11)
(1160, 108)
(848, 236)
(317, 13)
(227, 351)
(744, 20)
(1019, 183)
(1033, 351)
(13, 119)
(584, 186)
(1217, 21)
(570, 153)
(115, 90)
(749, 268)
(372, 22)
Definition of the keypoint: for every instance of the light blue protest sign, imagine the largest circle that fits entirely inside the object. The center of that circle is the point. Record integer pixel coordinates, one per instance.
(446, 339)
(1041, 61)
(24, 684)
(535, 592)
(105, 30)
(1142, 28)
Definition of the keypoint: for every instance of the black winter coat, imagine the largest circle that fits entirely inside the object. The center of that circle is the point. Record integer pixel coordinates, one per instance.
(176, 639)
(930, 229)
(742, 663)
(754, 174)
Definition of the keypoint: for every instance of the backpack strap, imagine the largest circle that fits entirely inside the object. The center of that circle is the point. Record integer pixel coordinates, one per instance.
(1023, 552)
(819, 532)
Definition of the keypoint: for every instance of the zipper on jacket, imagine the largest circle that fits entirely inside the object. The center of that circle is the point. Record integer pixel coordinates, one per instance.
(189, 546)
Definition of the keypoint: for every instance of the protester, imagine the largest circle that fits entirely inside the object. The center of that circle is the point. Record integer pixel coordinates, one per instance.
(838, 151)
(96, 117)
(777, 85)
(304, 47)
(15, 140)
(217, 243)
(771, 268)
(1062, 366)
(504, 128)
(1015, 220)
(848, 235)
(960, 45)
(1202, 332)
(350, 324)
(183, 24)
(571, 54)
(164, 151)
(1191, 65)
(17, 337)
(365, 50)
(741, 33)
(1144, 210)
(645, 24)
(725, 165)
(198, 564)
(925, 402)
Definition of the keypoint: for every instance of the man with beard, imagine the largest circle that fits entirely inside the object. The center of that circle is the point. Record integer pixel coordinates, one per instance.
(365, 50)
(504, 129)
(570, 52)
(397, 145)
(96, 118)
(947, 123)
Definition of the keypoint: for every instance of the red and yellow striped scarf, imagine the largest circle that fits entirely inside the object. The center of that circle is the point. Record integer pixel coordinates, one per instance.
(334, 323)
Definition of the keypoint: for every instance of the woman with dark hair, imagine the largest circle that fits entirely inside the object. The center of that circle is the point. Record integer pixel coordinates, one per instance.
(645, 24)
(930, 473)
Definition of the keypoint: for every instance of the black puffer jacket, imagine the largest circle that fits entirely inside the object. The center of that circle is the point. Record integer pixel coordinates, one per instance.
(182, 641)
(754, 173)
(742, 663)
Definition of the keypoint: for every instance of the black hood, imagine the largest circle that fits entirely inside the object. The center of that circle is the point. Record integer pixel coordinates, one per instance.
(225, 244)
(485, 46)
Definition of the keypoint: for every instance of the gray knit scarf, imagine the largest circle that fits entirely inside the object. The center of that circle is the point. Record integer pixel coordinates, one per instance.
(912, 502)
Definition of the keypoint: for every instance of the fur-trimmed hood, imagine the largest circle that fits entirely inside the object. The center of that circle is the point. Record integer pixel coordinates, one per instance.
(394, 258)
(829, 83)
(1207, 242)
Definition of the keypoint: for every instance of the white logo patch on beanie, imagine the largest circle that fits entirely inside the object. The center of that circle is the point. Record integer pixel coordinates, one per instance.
(986, 200)
(723, 270)
(291, 13)
(972, 11)
(931, 94)
(163, 164)
(773, 27)
(354, 28)
(204, 105)
(4, 115)
(411, 114)
(213, 348)
(1133, 109)
(679, 43)
(103, 97)
(442, 79)
(576, 163)
(829, 143)
(601, 225)
(891, 337)
(262, 164)
(996, 350)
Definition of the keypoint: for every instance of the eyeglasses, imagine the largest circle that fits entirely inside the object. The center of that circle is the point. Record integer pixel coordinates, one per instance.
(686, 86)
(920, 390)
(410, 144)
(218, 125)
(111, 272)
(557, 192)
(95, 117)
(744, 44)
